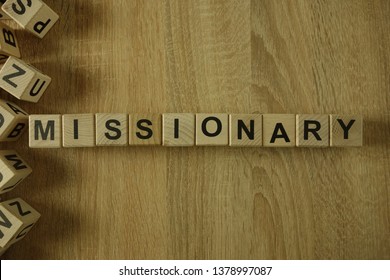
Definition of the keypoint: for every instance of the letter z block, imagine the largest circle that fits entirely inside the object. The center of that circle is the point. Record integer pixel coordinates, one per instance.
(8, 43)
(13, 170)
(16, 220)
(45, 131)
(13, 121)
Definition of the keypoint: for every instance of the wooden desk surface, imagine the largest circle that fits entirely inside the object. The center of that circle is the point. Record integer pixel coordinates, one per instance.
(212, 202)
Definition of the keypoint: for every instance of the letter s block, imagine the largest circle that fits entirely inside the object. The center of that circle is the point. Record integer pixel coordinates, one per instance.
(33, 15)
(8, 43)
(16, 220)
(13, 169)
(13, 121)
(22, 80)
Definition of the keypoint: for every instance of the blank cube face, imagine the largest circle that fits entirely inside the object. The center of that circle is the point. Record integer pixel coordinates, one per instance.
(78, 130)
(9, 45)
(13, 170)
(212, 129)
(145, 129)
(346, 131)
(279, 130)
(23, 81)
(312, 130)
(13, 121)
(245, 130)
(179, 130)
(111, 129)
(45, 131)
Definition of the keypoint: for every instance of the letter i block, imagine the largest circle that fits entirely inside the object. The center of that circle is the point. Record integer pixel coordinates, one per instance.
(8, 43)
(16, 220)
(45, 131)
(22, 80)
(13, 121)
(78, 130)
(33, 15)
(346, 131)
(13, 169)
(178, 129)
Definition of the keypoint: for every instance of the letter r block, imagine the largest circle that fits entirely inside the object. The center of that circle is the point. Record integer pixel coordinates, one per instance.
(8, 43)
(22, 80)
(13, 121)
(45, 131)
(312, 130)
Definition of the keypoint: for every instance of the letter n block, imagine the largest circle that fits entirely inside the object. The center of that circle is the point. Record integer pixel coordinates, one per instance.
(13, 121)
(245, 130)
(8, 43)
(22, 80)
(13, 170)
(45, 131)
(33, 15)
(312, 130)
(16, 220)
(346, 131)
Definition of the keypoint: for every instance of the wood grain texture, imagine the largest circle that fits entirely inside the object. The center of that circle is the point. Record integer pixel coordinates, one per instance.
(327, 57)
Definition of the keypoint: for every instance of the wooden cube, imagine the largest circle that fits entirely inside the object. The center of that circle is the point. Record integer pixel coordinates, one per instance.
(212, 129)
(35, 16)
(45, 131)
(78, 130)
(17, 219)
(346, 131)
(245, 130)
(13, 170)
(2, 14)
(312, 130)
(111, 129)
(178, 129)
(145, 129)
(13, 121)
(23, 80)
(279, 130)
(9, 45)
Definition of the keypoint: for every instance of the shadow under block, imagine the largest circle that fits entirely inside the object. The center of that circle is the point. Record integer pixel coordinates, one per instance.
(13, 170)
(312, 130)
(35, 16)
(78, 130)
(212, 129)
(346, 131)
(45, 131)
(145, 129)
(13, 121)
(17, 219)
(279, 130)
(178, 129)
(22, 80)
(4, 249)
(9, 45)
(245, 130)
(111, 129)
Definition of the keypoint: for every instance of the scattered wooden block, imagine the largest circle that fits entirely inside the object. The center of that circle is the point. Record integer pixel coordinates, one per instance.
(111, 130)
(178, 129)
(17, 220)
(245, 130)
(212, 129)
(312, 130)
(45, 131)
(8, 43)
(279, 130)
(2, 14)
(145, 129)
(78, 130)
(22, 80)
(13, 170)
(13, 121)
(35, 16)
(346, 131)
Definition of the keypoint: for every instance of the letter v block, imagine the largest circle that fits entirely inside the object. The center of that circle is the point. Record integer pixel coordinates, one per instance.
(45, 131)
(22, 80)
(16, 220)
(13, 121)
(13, 170)
(8, 43)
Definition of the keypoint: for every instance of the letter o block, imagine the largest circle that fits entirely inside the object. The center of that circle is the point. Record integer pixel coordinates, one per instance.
(8, 43)
(212, 129)
(22, 80)
(13, 121)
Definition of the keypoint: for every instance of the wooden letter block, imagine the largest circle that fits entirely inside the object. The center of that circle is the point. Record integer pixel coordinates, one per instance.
(245, 130)
(23, 80)
(16, 220)
(346, 131)
(2, 14)
(279, 130)
(33, 15)
(212, 129)
(13, 121)
(45, 131)
(145, 129)
(111, 129)
(178, 129)
(8, 43)
(78, 130)
(312, 130)
(13, 170)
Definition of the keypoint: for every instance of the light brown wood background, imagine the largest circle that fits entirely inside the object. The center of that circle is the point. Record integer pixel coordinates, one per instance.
(212, 202)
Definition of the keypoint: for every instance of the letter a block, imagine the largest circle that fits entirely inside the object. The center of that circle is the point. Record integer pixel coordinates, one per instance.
(16, 220)
(45, 131)
(13, 169)
(279, 130)
(22, 80)
(312, 130)
(212, 129)
(8, 43)
(346, 131)
(33, 15)
(13, 121)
